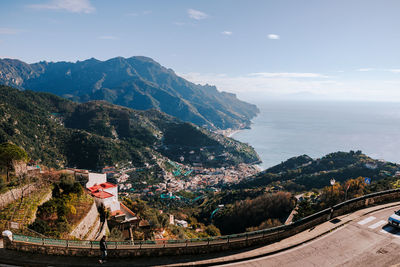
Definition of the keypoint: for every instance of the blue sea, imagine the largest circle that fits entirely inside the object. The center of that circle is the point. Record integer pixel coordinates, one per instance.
(286, 129)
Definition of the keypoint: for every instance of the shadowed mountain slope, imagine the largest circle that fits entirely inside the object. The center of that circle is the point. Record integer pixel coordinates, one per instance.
(136, 82)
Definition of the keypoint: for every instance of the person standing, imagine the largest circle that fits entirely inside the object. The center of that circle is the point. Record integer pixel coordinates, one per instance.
(103, 249)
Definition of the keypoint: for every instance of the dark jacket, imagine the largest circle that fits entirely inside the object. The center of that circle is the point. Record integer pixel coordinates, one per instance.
(103, 245)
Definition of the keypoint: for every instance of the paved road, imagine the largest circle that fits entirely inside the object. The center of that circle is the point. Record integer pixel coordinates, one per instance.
(367, 241)
(361, 238)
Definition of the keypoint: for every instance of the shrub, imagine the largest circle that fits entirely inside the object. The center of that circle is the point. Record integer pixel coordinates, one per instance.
(116, 235)
(56, 193)
(77, 189)
(177, 231)
(236, 218)
(47, 209)
(67, 183)
(71, 209)
(62, 226)
(2, 184)
(62, 210)
(138, 235)
(212, 230)
(39, 226)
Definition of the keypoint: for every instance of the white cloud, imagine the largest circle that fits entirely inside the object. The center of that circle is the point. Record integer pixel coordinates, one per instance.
(75, 6)
(196, 14)
(107, 37)
(9, 31)
(260, 87)
(178, 23)
(395, 70)
(227, 33)
(365, 69)
(252, 87)
(273, 36)
(288, 75)
(379, 70)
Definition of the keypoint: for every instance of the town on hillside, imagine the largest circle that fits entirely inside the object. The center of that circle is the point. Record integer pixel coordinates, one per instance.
(115, 183)
(82, 204)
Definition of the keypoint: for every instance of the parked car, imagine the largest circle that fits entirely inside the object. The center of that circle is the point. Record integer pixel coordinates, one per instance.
(394, 219)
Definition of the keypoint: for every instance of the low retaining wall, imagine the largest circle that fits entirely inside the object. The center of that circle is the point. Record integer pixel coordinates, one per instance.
(84, 227)
(15, 194)
(197, 246)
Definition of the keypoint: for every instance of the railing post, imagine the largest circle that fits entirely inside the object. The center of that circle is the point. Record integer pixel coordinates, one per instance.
(208, 242)
(91, 244)
(67, 243)
(247, 236)
(164, 243)
(140, 247)
(42, 241)
(228, 239)
(187, 242)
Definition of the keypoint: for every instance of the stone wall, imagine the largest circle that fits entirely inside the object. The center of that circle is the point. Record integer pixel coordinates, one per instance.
(224, 243)
(15, 194)
(83, 228)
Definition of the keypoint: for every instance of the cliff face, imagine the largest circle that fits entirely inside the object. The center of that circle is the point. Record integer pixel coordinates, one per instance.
(136, 82)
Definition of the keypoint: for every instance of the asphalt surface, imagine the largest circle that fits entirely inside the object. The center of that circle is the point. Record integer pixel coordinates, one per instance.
(367, 241)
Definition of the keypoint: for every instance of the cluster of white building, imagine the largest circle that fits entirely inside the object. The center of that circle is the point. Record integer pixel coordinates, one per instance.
(107, 193)
(206, 177)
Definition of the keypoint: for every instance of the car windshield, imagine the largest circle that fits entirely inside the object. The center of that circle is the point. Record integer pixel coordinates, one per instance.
(397, 212)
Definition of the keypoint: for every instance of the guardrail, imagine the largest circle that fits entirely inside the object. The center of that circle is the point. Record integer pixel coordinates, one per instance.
(198, 245)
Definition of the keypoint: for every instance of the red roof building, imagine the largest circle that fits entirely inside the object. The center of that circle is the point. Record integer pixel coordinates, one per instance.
(102, 194)
(106, 194)
(99, 187)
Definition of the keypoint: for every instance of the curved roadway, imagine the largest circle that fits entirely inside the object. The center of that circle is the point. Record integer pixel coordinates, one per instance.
(367, 241)
(362, 238)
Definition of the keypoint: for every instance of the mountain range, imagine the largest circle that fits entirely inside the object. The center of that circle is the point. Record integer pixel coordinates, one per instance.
(136, 82)
(59, 132)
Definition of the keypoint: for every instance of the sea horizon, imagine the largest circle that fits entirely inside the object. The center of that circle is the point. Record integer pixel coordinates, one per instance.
(288, 128)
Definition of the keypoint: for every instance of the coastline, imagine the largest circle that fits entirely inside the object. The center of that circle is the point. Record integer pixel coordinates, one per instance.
(232, 133)
(228, 132)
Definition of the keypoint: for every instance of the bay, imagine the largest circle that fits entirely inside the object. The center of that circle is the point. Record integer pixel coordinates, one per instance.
(285, 129)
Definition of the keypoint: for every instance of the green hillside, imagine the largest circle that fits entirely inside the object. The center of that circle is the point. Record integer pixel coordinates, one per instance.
(59, 132)
(304, 173)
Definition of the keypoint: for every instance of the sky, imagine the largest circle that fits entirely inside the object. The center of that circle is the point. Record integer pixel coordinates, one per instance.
(258, 49)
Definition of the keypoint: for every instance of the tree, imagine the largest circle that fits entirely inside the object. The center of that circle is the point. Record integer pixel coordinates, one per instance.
(8, 153)
(212, 230)
(2, 184)
(66, 183)
(116, 235)
(40, 226)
